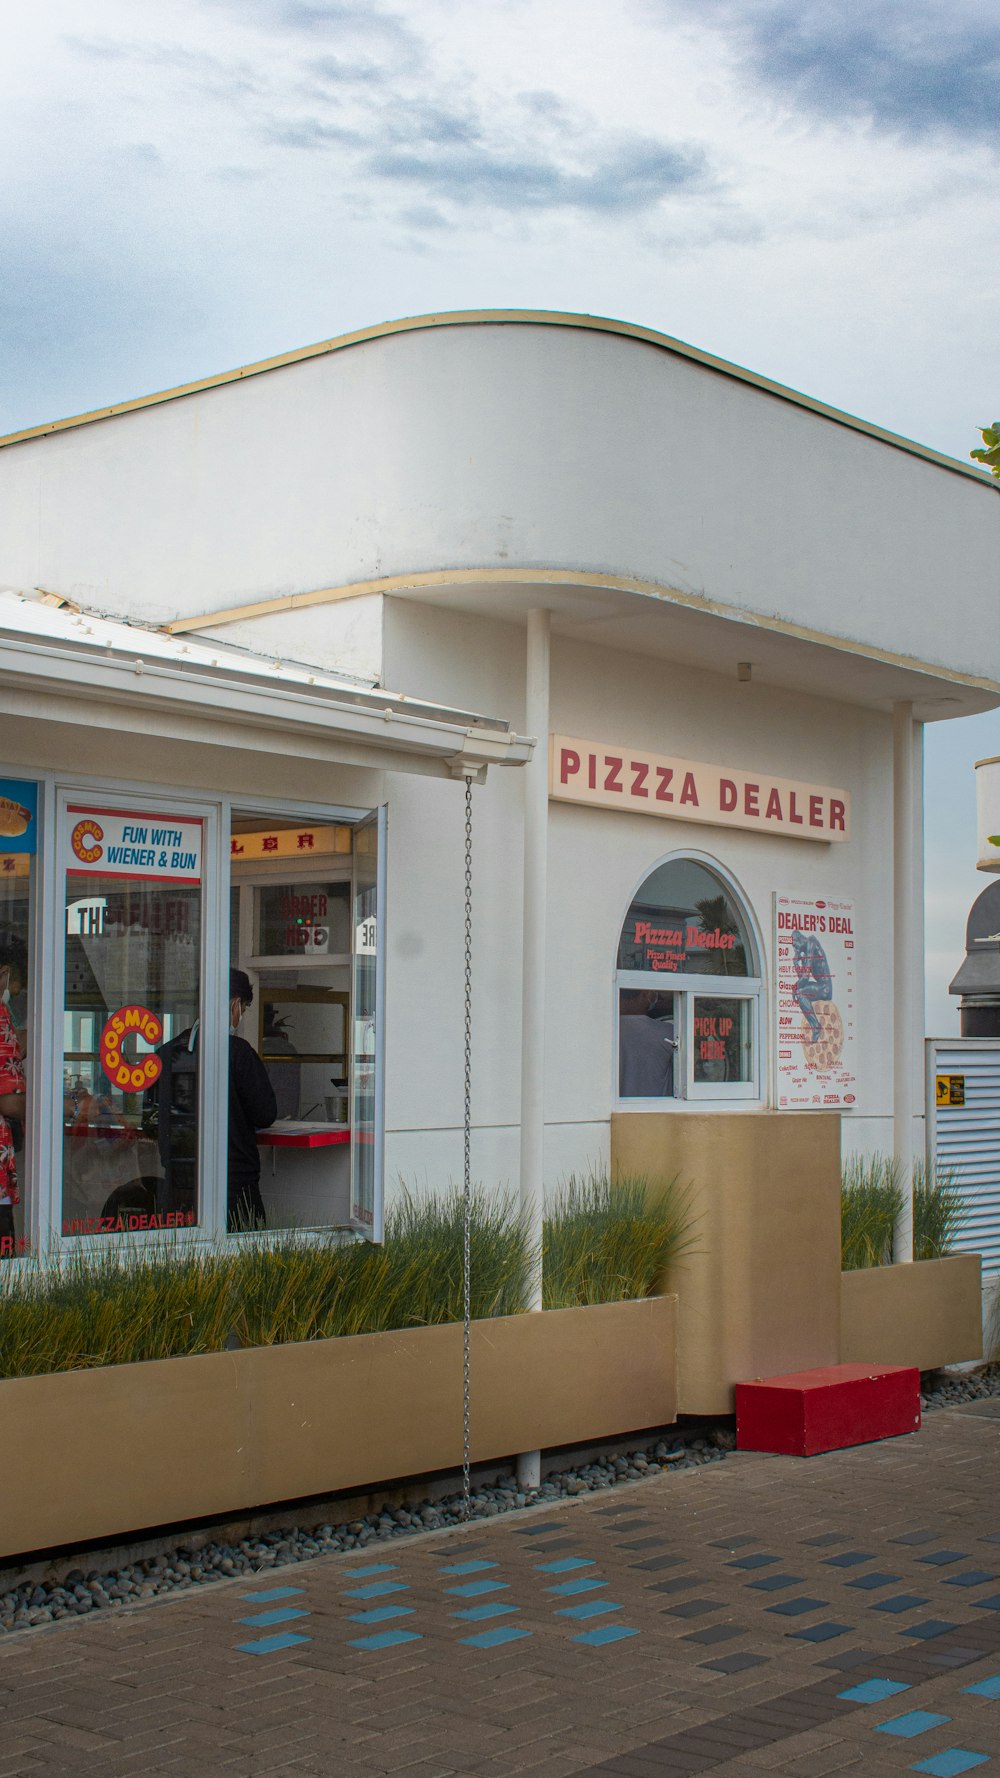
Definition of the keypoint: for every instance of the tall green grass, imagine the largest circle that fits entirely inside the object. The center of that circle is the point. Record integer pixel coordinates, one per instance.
(127, 1304)
(610, 1241)
(939, 1211)
(871, 1203)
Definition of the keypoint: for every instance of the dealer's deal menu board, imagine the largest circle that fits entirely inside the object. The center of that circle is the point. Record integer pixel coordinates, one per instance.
(815, 1004)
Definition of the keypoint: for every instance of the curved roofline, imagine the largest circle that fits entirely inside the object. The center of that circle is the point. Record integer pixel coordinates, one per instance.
(516, 317)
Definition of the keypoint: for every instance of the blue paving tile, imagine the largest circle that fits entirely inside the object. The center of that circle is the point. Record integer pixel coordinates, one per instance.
(267, 1645)
(772, 1583)
(940, 1558)
(377, 1589)
(869, 1582)
(899, 1602)
(380, 1614)
(796, 1607)
(371, 1568)
(931, 1626)
(752, 1562)
(491, 1638)
(821, 1632)
(872, 1691)
(951, 1762)
(588, 1608)
(564, 1565)
(476, 1613)
(915, 1722)
(468, 1567)
(985, 1688)
(973, 1577)
(585, 1584)
(849, 1559)
(269, 1593)
(540, 1530)
(387, 1639)
(264, 1619)
(604, 1633)
(991, 1604)
(470, 1589)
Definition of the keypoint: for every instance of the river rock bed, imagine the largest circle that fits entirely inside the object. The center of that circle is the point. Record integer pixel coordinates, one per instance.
(939, 1390)
(82, 1591)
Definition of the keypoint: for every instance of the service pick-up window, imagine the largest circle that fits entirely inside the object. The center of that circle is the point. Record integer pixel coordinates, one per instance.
(688, 990)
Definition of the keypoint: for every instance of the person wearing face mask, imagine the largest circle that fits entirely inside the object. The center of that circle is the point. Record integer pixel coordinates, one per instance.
(252, 1107)
(13, 1094)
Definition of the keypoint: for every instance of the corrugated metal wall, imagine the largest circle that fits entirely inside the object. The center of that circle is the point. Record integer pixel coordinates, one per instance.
(965, 1139)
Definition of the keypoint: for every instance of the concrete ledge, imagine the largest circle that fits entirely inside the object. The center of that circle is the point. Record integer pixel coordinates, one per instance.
(927, 1314)
(101, 1453)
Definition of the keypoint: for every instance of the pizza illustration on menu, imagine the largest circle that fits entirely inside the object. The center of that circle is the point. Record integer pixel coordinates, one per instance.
(815, 1004)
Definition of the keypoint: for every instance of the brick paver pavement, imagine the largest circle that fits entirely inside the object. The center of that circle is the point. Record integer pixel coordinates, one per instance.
(710, 1622)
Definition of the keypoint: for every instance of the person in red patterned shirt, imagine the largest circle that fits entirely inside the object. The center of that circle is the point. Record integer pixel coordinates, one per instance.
(13, 959)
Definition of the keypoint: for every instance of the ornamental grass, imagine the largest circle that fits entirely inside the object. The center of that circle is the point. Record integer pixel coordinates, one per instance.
(611, 1241)
(125, 1304)
(871, 1203)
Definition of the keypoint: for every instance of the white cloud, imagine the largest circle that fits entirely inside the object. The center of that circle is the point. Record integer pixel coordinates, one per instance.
(808, 188)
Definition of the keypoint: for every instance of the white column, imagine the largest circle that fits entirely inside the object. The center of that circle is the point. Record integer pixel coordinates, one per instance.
(535, 780)
(905, 964)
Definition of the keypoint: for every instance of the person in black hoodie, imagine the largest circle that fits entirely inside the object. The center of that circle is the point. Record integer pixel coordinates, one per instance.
(252, 1107)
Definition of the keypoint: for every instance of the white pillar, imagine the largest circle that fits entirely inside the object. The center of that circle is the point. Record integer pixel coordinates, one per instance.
(535, 780)
(905, 963)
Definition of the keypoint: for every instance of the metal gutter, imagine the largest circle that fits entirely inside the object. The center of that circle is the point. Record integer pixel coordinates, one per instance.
(269, 706)
(525, 318)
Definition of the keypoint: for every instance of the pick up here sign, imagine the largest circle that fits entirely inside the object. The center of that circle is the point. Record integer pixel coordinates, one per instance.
(643, 783)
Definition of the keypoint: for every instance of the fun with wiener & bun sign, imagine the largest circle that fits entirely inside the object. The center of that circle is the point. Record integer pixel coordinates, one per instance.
(617, 777)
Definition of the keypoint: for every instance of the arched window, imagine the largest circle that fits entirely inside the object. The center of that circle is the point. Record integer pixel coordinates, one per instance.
(688, 990)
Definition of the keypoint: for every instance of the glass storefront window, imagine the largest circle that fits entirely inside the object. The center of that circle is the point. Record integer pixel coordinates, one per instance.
(723, 1040)
(133, 927)
(647, 1044)
(686, 921)
(290, 1125)
(366, 1156)
(18, 846)
(678, 1036)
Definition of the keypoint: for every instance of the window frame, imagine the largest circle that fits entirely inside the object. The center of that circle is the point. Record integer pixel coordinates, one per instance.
(720, 1095)
(47, 971)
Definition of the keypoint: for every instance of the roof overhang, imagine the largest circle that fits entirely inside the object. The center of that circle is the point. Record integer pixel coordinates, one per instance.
(658, 622)
(230, 697)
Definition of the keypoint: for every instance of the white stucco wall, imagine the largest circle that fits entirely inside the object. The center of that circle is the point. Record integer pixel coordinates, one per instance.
(596, 860)
(511, 445)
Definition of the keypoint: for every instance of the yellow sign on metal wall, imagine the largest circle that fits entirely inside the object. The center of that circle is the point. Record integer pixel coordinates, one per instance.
(950, 1089)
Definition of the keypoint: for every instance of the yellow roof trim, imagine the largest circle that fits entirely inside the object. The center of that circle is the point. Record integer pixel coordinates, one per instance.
(517, 317)
(573, 577)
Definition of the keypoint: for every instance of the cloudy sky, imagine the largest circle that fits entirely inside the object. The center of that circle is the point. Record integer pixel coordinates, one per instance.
(808, 187)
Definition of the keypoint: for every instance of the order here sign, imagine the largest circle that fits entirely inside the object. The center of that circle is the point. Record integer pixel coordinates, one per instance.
(618, 777)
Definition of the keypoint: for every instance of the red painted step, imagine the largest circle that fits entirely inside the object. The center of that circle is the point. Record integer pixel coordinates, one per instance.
(806, 1412)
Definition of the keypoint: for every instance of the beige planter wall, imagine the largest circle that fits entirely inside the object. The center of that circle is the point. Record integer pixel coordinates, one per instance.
(759, 1292)
(101, 1453)
(928, 1314)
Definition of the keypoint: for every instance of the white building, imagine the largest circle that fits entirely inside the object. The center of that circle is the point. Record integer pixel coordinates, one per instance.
(276, 602)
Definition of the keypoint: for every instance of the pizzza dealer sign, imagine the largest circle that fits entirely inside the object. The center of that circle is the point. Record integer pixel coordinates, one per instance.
(616, 777)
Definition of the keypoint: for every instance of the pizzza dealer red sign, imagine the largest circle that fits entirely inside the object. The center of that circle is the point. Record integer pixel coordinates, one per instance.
(617, 777)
